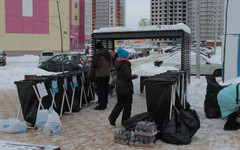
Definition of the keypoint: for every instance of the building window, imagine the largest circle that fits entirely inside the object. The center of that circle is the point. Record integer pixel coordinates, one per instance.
(27, 6)
(76, 42)
(76, 18)
(76, 30)
(75, 5)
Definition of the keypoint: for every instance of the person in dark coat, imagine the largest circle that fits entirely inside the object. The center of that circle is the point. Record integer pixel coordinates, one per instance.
(124, 88)
(101, 64)
(87, 50)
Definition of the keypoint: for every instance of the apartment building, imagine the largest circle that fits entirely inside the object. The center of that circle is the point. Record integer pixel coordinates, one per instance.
(168, 12)
(32, 26)
(211, 19)
(88, 22)
(108, 13)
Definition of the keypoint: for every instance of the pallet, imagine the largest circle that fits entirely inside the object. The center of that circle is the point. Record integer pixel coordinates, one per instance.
(9, 145)
(120, 142)
(145, 145)
(146, 134)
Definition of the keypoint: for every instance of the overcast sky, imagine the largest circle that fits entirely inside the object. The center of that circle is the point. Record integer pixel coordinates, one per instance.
(136, 10)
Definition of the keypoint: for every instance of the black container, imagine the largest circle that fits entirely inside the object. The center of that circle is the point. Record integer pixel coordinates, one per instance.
(158, 96)
(28, 98)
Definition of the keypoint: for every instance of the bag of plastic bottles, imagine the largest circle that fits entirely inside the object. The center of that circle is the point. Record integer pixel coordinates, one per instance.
(53, 125)
(41, 120)
(12, 125)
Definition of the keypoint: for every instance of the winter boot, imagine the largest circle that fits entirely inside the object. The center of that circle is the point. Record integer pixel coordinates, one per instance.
(111, 121)
(231, 123)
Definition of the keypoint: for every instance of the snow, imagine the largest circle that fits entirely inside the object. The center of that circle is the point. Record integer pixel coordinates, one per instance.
(179, 26)
(18, 67)
(8, 145)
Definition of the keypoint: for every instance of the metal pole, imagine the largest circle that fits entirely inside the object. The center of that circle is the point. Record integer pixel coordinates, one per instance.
(198, 40)
(216, 29)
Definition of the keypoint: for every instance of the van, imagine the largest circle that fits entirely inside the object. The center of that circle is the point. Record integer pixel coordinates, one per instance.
(45, 55)
(2, 58)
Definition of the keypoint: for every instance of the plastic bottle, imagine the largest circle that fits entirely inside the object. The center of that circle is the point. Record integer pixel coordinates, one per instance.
(132, 138)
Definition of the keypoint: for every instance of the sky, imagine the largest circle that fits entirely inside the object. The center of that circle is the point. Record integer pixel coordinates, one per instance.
(136, 10)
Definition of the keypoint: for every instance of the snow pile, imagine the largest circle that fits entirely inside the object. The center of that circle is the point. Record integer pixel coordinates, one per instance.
(179, 26)
(17, 68)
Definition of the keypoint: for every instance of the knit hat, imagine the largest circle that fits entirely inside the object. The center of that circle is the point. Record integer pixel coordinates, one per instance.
(98, 45)
(122, 53)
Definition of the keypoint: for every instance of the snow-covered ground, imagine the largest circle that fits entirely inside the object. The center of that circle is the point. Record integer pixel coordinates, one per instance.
(18, 67)
(210, 136)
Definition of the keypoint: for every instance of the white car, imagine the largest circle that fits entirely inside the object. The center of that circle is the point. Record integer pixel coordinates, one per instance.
(206, 66)
(160, 59)
(203, 50)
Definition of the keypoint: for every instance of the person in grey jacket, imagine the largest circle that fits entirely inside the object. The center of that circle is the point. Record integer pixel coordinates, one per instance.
(101, 64)
(124, 88)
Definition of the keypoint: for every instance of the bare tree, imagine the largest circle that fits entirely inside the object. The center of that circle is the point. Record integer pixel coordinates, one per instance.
(60, 29)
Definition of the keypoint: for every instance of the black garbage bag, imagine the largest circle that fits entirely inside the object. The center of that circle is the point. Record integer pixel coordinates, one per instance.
(158, 96)
(189, 116)
(90, 92)
(211, 107)
(176, 131)
(191, 120)
(131, 123)
(28, 99)
(91, 74)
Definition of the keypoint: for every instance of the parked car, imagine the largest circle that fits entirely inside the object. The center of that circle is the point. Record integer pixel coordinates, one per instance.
(206, 66)
(211, 49)
(155, 48)
(172, 49)
(71, 61)
(204, 50)
(141, 52)
(160, 59)
(132, 53)
(45, 55)
(2, 58)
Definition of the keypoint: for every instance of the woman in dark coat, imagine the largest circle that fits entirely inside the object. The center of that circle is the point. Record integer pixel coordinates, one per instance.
(101, 64)
(124, 88)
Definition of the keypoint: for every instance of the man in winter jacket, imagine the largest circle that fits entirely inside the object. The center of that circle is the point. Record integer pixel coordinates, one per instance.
(124, 88)
(101, 64)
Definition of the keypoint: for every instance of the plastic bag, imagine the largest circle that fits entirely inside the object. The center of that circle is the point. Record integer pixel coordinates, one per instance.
(41, 120)
(211, 107)
(53, 125)
(131, 123)
(12, 125)
(176, 131)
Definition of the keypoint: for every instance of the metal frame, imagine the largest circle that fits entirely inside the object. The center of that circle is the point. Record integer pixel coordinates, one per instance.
(107, 39)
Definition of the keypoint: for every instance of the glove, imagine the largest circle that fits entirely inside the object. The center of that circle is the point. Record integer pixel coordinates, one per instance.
(137, 75)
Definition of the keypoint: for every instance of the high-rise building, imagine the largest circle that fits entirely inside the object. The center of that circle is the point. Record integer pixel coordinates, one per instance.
(168, 12)
(211, 19)
(108, 13)
(80, 24)
(88, 22)
(32, 26)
